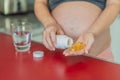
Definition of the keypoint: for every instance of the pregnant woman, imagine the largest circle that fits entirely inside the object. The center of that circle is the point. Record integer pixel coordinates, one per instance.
(85, 21)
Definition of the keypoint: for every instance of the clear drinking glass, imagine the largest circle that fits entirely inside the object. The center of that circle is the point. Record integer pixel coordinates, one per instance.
(21, 33)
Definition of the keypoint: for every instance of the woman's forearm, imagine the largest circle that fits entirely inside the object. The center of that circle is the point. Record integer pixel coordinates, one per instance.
(105, 19)
(42, 13)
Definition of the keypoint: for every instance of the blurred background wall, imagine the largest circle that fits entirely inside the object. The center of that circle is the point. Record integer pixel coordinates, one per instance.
(16, 6)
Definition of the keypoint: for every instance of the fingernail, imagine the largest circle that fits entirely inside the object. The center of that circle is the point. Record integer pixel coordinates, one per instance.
(53, 49)
(66, 54)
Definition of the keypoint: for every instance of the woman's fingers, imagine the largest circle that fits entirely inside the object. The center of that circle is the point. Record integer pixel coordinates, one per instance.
(68, 52)
(44, 41)
(47, 41)
(49, 36)
(53, 38)
(45, 44)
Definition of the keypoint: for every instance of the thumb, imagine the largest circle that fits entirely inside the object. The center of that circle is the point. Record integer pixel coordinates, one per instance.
(88, 46)
(61, 32)
(89, 42)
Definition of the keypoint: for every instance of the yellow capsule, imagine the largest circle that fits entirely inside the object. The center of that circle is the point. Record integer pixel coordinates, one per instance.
(78, 46)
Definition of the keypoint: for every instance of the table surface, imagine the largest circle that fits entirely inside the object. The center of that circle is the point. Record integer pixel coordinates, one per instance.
(53, 66)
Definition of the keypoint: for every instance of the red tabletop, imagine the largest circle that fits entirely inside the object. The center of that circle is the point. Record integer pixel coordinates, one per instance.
(53, 66)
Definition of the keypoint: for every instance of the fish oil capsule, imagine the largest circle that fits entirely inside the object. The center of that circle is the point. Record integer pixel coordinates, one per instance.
(78, 46)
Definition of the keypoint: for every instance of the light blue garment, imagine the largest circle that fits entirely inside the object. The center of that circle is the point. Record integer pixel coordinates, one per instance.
(54, 3)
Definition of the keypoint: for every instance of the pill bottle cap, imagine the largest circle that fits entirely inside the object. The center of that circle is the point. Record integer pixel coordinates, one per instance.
(38, 54)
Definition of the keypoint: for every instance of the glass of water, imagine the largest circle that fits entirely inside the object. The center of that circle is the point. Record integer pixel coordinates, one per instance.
(21, 33)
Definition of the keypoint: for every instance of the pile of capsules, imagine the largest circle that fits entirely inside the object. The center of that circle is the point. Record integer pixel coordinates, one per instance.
(78, 46)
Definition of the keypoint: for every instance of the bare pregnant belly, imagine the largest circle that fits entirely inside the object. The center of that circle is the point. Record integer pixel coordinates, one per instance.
(76, 17)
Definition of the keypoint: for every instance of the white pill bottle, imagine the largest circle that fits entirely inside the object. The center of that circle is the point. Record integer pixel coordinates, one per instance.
(63, 42)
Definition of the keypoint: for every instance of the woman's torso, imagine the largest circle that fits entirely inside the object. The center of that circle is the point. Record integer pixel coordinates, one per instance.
(75, 17)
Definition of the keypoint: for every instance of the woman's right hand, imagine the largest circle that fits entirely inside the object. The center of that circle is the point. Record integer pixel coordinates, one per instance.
(49, 35)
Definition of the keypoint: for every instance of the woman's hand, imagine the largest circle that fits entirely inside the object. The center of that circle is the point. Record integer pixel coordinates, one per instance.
(49, 35)
(87, 39)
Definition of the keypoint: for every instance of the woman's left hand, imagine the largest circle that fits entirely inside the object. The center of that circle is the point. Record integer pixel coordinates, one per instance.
(87, 39)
